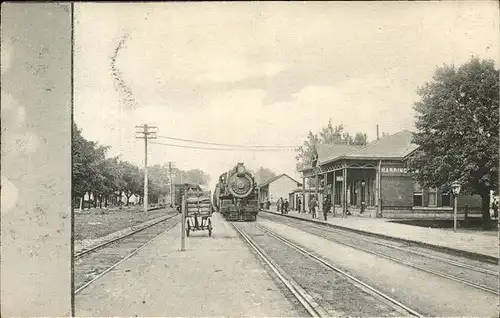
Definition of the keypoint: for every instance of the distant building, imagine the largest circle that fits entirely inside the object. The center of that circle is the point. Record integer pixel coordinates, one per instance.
(376, 176)
(294, 195)
(134, 199)
(277, 187)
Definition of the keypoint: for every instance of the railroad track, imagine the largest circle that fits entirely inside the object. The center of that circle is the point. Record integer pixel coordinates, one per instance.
(417, 259)
(95, 248)
(92, 264)
(305, 299)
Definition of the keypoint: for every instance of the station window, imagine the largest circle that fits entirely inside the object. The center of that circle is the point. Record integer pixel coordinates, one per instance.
(445, 199)
(432, 196)
(417, 195)
(338, 193)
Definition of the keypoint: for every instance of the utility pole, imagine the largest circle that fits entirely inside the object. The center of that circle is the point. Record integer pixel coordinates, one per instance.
(171, 184)
(147, 132)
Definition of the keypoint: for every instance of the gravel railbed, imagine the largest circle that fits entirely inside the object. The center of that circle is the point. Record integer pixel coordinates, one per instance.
(93, 264)
(300, 310)
(330, 290)
(374, 245)
(464, 260)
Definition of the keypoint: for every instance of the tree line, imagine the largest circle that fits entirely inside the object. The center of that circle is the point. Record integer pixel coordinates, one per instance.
(108, 179)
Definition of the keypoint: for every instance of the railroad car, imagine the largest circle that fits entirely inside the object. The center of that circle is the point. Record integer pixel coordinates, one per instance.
(235, 195)
(180, 189)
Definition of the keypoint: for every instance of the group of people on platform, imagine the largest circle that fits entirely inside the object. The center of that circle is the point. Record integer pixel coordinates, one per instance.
(282, 205)
(313, 205)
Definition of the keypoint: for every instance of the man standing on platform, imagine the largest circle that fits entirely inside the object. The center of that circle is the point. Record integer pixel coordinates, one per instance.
(299, 203)
(312, 206)
(326, 207)
(279, 205)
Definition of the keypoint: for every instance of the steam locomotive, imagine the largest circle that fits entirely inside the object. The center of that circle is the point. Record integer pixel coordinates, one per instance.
(235, 195)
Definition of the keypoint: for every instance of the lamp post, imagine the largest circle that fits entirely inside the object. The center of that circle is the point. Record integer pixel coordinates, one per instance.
(455, 187)
(362, 196)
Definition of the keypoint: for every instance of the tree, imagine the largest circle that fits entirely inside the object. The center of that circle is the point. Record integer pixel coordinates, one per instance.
(88, 161)
(113, 181)
(332, 135)
(80, 164)
(197, 176)
(263, 174)
(359, 139)
(133, 180)
(457, 122)
(178, 176)
(97, 156)
(159, 181)
(328, 135)
(304, 153)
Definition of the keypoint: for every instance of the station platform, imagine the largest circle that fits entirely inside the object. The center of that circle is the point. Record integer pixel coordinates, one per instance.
(215, 276)
(482, 246)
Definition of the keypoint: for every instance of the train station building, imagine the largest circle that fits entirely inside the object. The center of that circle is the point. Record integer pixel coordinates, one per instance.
(277, 187)
(373, 180)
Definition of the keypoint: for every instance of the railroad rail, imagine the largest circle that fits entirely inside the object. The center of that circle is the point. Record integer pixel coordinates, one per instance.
(305, 299)
(427, 269)
(150, 237)
(95, 248)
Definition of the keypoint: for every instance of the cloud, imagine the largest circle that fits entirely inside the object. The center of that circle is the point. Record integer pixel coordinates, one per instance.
(177, 57)
(237, 70)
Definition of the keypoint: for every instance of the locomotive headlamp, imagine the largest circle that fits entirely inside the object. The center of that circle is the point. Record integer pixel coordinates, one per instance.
(240, 169)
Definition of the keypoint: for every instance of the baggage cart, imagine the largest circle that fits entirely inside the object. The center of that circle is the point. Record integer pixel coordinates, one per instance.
(199, 211)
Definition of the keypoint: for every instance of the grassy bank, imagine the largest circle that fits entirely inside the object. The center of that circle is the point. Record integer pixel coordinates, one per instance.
(95, 223)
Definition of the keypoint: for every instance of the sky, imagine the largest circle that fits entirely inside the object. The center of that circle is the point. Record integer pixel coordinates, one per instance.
(261, 73)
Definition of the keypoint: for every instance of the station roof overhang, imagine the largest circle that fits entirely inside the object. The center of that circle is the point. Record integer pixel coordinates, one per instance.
(359, 158)
(396, 147)
(308, 190)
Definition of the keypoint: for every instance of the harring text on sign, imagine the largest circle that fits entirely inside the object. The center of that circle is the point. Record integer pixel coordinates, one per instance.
(394, 170)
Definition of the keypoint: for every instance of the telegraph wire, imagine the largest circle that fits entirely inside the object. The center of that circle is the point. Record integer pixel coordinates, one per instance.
(222, 149)
(225, 145)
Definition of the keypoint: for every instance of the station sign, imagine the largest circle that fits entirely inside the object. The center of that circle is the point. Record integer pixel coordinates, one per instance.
(394, 170)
